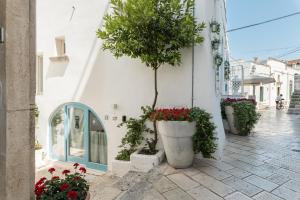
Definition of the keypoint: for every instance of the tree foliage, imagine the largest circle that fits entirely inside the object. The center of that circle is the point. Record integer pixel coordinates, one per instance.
(152, 30)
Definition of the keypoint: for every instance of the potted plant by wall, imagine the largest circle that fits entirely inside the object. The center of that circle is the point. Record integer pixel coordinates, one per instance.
(241, 115)
(70, 186)
(215, 27)
(218, 60)
(154, 31)
(185, 132)
(130, 143)
(227, 70)
(215, 43)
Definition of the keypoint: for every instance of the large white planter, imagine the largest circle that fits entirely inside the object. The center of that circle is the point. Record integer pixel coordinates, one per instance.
(120, 167)
(144, 163)
(230, 118)
(177, 137)
(226, 125)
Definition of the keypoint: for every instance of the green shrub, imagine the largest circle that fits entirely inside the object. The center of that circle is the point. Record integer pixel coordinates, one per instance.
(204, 138)
(245, 117)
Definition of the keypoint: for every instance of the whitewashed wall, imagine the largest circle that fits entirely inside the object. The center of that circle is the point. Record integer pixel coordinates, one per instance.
(96, 79)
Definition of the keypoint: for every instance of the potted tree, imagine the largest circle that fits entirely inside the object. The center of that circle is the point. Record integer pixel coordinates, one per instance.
(154, 31)
(71, 186)
(185, 132)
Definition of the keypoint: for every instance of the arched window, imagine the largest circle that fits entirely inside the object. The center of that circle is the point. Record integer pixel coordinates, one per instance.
(77, 135)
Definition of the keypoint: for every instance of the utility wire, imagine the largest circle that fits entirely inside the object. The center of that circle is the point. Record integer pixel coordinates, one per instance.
(264, 22)
(289, 52)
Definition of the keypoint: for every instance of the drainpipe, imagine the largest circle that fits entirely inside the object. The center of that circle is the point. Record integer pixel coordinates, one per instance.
(193, 65)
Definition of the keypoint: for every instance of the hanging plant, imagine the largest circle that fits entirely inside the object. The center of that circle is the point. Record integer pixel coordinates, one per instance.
(218, 60)
(226, 70)
(215, 43)
(215, 27)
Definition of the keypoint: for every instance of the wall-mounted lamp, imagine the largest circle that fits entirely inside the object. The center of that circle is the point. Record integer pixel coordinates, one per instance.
(1, 35)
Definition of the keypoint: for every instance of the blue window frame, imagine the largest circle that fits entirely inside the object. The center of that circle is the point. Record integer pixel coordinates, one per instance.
(77, 135)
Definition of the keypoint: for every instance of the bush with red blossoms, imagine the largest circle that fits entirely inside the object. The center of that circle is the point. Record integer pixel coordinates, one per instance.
(173, 114)
(71, 186)
(231, 101)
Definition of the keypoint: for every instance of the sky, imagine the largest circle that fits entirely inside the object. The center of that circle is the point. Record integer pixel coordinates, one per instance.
(274, 39)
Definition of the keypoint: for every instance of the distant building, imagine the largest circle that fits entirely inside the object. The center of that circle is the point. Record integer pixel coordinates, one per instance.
(265, 80)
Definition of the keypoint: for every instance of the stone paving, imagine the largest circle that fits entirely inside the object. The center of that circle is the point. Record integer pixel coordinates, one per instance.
(262, 166)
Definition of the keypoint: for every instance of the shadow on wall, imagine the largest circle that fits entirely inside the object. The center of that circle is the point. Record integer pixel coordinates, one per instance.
(57, 69)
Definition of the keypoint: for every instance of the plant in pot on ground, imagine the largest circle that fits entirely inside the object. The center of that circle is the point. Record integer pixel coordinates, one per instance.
(71, 186)
(241, 115)
(155, 32)
(185, 132)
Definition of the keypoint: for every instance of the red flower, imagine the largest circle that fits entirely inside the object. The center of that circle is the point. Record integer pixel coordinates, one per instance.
(55, 177)
(76, 165)
(65, 172)
(42, 180)
(82, 169)
(39, 189)
(64, 186)
(72, 194)
(51, 170)
(77, 178)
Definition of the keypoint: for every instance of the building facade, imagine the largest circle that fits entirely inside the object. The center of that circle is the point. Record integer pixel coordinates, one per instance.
(266, 80)
(83, 93)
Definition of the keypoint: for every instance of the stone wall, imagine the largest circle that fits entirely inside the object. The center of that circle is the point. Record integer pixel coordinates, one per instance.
(17, 92)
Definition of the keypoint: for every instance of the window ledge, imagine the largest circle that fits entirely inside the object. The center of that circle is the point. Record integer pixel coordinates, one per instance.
(64, 58)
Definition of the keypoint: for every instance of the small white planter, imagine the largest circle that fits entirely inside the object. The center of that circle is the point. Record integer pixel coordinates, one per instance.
(230, 118)
(144, 163)
(120, 167)
(177, 137)
(39, 158)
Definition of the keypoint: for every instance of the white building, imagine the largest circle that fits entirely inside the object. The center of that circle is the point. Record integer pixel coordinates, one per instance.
(81, 86)
(265, 80)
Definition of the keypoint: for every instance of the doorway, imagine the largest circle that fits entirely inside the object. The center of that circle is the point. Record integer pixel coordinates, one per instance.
(77, 135)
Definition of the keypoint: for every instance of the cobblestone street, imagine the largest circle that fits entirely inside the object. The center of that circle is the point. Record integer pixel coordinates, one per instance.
(263, 166)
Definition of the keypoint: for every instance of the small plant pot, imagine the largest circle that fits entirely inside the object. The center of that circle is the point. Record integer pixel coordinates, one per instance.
(39, 158)
(120, 167)
(230, 118)
(177, 137)
(144, 163)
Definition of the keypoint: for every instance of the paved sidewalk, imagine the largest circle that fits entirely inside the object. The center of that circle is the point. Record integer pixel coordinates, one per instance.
(263, 166)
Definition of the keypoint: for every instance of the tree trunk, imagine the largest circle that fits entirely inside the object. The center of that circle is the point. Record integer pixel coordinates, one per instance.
(153, 108)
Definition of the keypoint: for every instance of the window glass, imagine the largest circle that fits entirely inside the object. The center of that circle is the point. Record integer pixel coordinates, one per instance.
(98, 143)
(58, 132)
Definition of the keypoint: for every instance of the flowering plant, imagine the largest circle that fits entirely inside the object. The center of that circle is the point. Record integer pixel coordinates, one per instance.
(229, 101)
(72, 187)
(174, 114)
